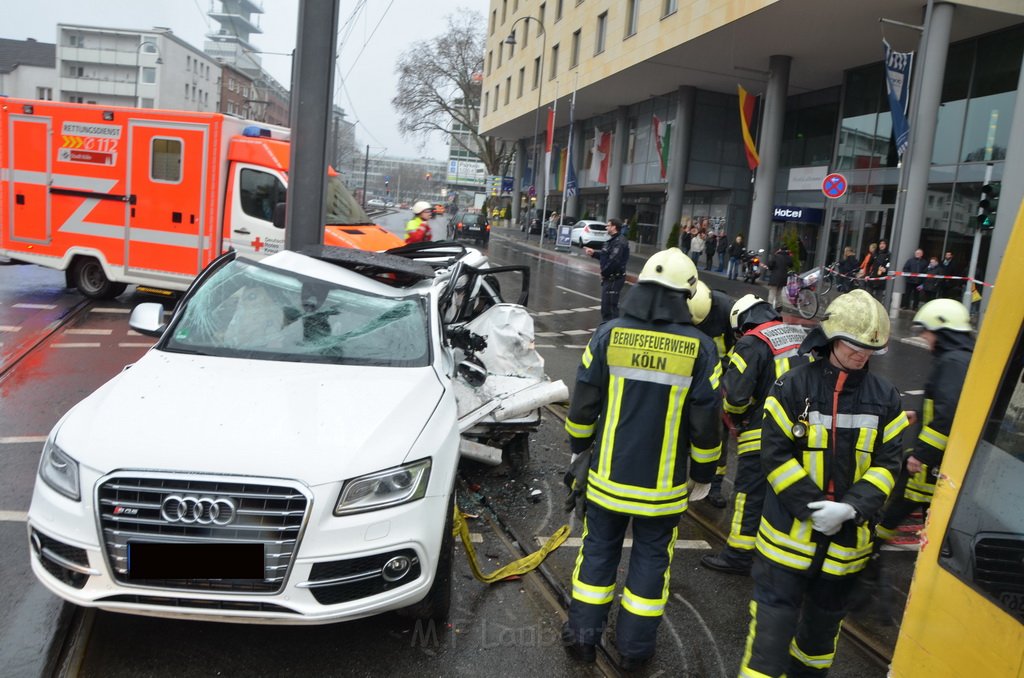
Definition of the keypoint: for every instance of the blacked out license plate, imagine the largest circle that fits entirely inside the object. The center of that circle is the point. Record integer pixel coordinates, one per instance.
(154, 560)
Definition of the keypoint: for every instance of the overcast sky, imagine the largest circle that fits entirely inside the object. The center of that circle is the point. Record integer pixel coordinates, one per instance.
(375, 33)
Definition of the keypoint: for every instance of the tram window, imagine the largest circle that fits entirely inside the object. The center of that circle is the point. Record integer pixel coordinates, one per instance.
(984, 545)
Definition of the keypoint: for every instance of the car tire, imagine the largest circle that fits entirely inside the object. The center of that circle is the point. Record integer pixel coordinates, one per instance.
(437, 604)
(88, 277)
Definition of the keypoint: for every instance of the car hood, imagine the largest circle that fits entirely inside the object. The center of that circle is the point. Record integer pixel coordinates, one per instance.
(313, 422)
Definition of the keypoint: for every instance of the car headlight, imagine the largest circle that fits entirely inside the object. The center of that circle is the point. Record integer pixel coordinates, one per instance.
(59, 470)
(384, 488)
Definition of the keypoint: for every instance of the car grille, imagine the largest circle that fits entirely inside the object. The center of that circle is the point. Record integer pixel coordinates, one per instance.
(67, 563)
(997, 565)
(271, 515)
(340, 581)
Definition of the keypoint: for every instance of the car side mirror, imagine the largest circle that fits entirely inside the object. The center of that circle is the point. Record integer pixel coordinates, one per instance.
(279, 212)
(148, 319)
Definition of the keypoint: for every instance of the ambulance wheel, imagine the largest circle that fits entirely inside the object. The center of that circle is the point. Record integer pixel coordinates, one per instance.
(436, 605)
(92, 282)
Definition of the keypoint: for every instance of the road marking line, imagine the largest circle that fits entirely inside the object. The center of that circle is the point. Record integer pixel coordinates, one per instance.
(86, 331)
(901, 547)
(10, 328)
(915, 341)
(13, 516)
(575, 332)
(914, 392)
(584, 308)
(16, 440)
(84, 344)
(535, 346)
(539, 313)
(681, 544)
(575, 346)
(45, 307)
(110, 310)
(135, 344)
(563, 311)
(566, 289)
(547, 334)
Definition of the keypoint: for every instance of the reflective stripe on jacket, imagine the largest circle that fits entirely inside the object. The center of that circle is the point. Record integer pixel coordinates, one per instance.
(851, 454)
(647, 397)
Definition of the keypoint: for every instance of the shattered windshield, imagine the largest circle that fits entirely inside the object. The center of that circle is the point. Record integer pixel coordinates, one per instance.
(341, 205)
(248, 310)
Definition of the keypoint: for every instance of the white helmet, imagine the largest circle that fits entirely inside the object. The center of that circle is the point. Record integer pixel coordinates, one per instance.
(421, 206)
(700, 302)
(943, 314)
(670, 268)
(858, 318)
(744, 304)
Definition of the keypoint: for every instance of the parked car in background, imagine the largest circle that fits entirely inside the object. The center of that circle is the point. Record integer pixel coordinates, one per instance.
(471, 224)
(590, 233)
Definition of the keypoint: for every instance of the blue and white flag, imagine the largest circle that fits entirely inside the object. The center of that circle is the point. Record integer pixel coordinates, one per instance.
(897, 83)
(570, 180)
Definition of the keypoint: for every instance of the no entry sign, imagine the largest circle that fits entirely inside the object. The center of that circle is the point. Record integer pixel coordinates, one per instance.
(834, 185)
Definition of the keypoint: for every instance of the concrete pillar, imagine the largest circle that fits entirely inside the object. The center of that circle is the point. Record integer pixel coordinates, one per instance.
(769, 146)
(517, 180)
(929, 74)
(576, 146)
(1011, 192)
(679, 160)
(619, 141)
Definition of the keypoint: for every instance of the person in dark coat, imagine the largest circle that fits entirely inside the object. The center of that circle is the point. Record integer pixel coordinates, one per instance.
(721, 249)
(613, 257)
(950, 289)
(848, 270)
(880, 268)
(930, 286)
(913, 287)
(736, 250)
(779, 264)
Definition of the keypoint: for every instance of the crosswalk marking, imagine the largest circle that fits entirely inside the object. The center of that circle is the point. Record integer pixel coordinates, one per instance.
(43, 307)
(13, 516)
(134, 344)
(71, 344)
(17, 440)
(88, 331)
(110, 310)
(10, 328)
(573, 333)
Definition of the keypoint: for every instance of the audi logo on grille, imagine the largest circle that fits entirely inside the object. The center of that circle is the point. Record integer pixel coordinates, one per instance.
(198, 510)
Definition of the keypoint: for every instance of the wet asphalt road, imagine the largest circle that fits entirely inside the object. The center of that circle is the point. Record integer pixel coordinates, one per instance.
(504, 629)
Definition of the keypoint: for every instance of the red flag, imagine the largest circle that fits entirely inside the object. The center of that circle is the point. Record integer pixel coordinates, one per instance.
(747, 104)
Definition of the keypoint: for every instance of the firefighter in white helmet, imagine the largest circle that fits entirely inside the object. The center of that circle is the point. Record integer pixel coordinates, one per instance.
(945, 324)
(646, 399)
(830, 445)
(417, 229)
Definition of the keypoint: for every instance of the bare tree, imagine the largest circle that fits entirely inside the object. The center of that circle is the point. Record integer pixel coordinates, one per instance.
(439, 84)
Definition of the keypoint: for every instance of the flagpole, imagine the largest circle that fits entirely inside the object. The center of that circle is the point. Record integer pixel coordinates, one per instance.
(568, 157)
(547, 167)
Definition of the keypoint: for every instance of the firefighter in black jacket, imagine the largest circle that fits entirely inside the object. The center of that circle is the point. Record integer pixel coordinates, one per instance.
(646, 398)
(946, 325)
(765, 351)
(614, 256)
(831, 451)
(709, 310)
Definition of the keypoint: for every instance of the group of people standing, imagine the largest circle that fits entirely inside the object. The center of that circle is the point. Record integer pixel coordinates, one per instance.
(705, 243)
(877, 263)
(818, 439)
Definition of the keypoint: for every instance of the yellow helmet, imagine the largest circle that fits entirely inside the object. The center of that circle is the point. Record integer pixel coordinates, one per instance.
(670, 268)
(858, 318)
(699, 302)
(943, 314)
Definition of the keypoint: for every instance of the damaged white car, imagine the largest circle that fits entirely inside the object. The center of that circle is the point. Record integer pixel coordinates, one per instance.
(287, 451)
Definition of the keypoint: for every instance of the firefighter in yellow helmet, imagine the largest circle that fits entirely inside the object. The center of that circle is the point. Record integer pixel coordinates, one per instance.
(830, 445)
(945, 324)
(709, 310)
(646, 399)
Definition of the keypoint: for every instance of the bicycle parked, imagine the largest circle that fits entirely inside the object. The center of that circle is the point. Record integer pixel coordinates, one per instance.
(831, 277)
(801, 290)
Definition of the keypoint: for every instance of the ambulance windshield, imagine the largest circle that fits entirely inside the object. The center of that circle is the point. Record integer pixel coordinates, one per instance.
(341, 206)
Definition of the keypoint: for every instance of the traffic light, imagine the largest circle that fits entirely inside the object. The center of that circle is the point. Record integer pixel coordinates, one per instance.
(986, 208)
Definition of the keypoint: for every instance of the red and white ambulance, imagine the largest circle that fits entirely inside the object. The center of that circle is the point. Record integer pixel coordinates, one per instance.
(116, 196)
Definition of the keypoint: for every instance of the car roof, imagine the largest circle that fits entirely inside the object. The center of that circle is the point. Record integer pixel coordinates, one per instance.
(591, 222)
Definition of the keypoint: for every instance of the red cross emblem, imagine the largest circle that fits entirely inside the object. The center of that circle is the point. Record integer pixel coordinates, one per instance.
(257, 244)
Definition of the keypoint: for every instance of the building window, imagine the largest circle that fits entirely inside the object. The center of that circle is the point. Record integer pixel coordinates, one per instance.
(602, 25)
(494, 20)
(148, 75)
(504, 11)
(490, 58)
(508, 88)
(188, 62)
(558, 10)
(497, 93)
(44, 93)
(540, 16)
(632, 16)
(522, 77)
(574, 56)
(487, 98)
(554, 63)
(669, 7)
(512, 47)
(75, 40)
(500, 52)
(515, 6)
(536, 73)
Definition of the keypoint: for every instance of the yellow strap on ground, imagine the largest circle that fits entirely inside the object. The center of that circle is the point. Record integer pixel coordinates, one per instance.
(517, 567)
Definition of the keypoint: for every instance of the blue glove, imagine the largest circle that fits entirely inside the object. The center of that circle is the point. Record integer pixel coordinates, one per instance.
(829, 516)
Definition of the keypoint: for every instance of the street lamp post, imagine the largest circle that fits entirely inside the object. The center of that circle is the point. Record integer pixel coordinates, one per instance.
(511, 40)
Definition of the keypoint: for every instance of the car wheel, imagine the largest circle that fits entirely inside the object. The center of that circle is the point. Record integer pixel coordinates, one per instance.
(517, 452)
(88, 276)
(438, 601)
